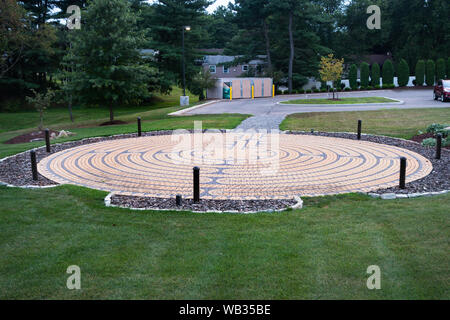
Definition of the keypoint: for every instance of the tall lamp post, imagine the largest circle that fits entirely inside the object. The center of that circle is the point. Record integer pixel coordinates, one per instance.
(184, 100)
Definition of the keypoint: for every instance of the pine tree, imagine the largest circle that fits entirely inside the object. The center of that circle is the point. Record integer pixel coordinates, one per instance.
(108, 69)
(403, 73)
(440, 69)
(420, 73)
(365, 71)
(430, 73)
(388, 73)
(375, 74)
(353, 75)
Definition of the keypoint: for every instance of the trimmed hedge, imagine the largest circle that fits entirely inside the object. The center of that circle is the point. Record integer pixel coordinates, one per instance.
(420, 73)
(375, 74)
(365, 73)
(440, 69)
(403, 73)
(353, 77)
(388, 72)
(430, 73)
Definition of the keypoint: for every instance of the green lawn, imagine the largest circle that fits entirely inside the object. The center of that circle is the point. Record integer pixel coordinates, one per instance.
(87, 120)
(320, 252)
(396, 123)
(341, 101)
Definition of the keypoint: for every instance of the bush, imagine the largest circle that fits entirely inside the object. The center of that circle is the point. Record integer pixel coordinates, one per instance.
(420, 73)
(437, 128)
(375, 75)
(323, 90)
(353, 75)
(377, 86)
(388, 72)
(431, 142)
(316, 90)
(430, 73)
(365, 73)
(278, 92)
(309, 91)
(448, 68)
(440, 69)
(403, 73)
(347, 89)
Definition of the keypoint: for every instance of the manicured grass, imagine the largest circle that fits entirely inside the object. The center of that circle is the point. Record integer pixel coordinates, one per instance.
(320, 252)
(87, 120)
(341, 101)
(394, 122)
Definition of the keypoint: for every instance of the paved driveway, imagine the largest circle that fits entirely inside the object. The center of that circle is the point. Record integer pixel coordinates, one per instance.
(268, 114)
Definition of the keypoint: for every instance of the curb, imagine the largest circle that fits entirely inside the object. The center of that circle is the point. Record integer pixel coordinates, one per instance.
(183, 111)
(399, 102)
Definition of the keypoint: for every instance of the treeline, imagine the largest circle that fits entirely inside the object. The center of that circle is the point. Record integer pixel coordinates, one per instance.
(101, 64)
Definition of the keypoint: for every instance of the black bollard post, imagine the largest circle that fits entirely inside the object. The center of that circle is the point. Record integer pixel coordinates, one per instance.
(196, 184)
(47, 140)
(34, 165)
(438, 146)
(402, 183)
(312, 130)
(139, 126)
(359, 129)
(178, 199)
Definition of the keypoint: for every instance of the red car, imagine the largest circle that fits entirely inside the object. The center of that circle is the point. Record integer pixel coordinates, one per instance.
(442, 90)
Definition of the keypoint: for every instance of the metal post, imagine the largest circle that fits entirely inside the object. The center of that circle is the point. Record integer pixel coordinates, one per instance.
(139, 126)
(196, 184)
(183, 66)
(47, 140)
(402, 183)
(359, 129)
(438, 146)
(178, 199)
(34, 165)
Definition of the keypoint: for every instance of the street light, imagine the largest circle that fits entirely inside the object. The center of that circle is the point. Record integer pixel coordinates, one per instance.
(185, 28)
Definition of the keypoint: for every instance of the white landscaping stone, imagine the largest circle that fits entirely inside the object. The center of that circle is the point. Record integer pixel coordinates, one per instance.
(402, 196)
(374, 195)
(388, 196)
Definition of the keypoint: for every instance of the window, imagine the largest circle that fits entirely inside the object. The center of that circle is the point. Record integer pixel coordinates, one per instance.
(226, 69)
(212, 68)
(245, 67)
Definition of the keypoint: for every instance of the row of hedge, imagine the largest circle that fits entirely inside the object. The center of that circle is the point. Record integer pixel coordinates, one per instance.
(426, 72)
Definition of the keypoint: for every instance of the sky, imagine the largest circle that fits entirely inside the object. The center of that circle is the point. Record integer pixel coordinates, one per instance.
(213, 6)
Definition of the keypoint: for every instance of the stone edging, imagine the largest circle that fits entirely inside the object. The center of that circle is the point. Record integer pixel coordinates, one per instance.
(392, 196)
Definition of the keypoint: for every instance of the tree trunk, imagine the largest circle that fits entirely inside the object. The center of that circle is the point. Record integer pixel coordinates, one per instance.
(70, 109)
(266, 36)
(111, 113)
(291, 55)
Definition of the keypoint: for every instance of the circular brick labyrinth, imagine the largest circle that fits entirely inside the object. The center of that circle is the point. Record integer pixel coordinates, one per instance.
(233, 165)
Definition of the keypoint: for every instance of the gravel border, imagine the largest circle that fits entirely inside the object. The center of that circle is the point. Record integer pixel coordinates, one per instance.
(15, 171)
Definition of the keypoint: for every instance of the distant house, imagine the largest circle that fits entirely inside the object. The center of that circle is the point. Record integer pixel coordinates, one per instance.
(222, 66)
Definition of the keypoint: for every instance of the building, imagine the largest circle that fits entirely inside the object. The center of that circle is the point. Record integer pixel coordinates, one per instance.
(221, 66)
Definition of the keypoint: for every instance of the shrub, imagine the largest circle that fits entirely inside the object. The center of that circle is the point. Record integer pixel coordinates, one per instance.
(430, 72)
(365, 73)
(448, 68)
(353, 75)
(431, 142)
(377, 86)
(316, 90)
(403, 73)
(436, 128)
(388, 72)
(309, 91)
(323, 90)
(347, 89)
(440, 69)
(375, 74)
(370, 88)
(420, 73)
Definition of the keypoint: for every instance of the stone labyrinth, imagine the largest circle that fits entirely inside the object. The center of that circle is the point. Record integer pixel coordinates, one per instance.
(233, 165)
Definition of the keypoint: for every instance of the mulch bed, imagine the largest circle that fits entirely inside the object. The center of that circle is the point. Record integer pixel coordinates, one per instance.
(16, 170)
(29, 137)
(204, 204)
(420, 137)
(112, 123)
